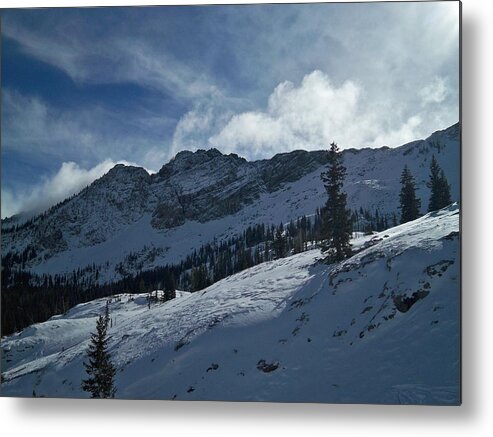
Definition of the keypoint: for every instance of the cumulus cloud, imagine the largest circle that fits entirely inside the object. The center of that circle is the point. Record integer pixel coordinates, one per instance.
(68, 180)
(310, 116)
(207, 117)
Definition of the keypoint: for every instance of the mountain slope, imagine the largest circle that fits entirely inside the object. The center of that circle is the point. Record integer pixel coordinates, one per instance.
(202, 196)
(382, 326)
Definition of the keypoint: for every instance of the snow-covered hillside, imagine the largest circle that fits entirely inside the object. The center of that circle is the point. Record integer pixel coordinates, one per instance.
(382, 326)
(204, 196)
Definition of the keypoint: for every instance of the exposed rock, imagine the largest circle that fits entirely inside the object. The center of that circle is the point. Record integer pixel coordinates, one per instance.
(213, 366)
(404, 303)
(267, 367)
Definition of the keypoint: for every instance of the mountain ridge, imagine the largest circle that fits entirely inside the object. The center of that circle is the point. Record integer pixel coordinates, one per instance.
(204, 195)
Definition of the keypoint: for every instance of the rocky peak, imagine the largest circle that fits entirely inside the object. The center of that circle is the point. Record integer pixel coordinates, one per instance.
(121, 172)
(186, 160)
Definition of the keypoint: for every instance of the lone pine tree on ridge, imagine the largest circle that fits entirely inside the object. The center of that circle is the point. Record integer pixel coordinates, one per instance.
(336, 221)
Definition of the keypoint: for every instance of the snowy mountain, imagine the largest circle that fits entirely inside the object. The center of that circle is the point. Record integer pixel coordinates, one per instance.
(204, 196)
(381, 326)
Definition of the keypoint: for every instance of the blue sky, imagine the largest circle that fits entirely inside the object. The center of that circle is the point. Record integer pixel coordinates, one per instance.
(83, 89)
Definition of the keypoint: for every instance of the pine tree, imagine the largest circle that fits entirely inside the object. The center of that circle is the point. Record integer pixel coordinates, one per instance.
(279, 244)
(336, 220)
(445, 198)
(200, 278)
(409, 203)
(107, 313)
(142, 286)
(169, 286)
(439, 186)
(99, 367)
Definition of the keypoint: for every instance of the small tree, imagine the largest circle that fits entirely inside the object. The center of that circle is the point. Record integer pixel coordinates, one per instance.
(107, 317)
(409, 203)
(142, 286)
(169, 281)
(99, 367)
(439, 186)
(169, 291)
(336, 219)
(445, 198)
(280, 244)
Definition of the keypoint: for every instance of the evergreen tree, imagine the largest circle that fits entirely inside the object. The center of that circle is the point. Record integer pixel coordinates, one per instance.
(439, 186)
(336, 220)
(200, 278)
(99, 367)
(142, 286)
(169, 286)
(445, 198)
(107, 313)
(409, 203)
(279, 245)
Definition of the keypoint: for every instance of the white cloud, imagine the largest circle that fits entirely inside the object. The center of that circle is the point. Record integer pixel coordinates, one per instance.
(306, 117)
(315, 113)
(207, 117)
(410, 130)
(69, 179)
(435, 92)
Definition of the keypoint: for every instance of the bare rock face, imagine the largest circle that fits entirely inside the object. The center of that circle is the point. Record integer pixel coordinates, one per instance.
(168, 215)
(203, 186)
(289, 167)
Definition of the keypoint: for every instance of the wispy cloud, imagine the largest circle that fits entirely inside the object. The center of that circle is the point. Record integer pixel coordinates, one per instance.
(34, 128)
(435, 92)
(31, 126)
(86, 142)
(89, 53)
(68, 180)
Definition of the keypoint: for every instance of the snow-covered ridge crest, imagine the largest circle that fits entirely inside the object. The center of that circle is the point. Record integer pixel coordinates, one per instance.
(426, 233)
(382, 326)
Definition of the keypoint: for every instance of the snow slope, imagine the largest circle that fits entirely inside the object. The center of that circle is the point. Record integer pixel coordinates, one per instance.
(381, 327)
